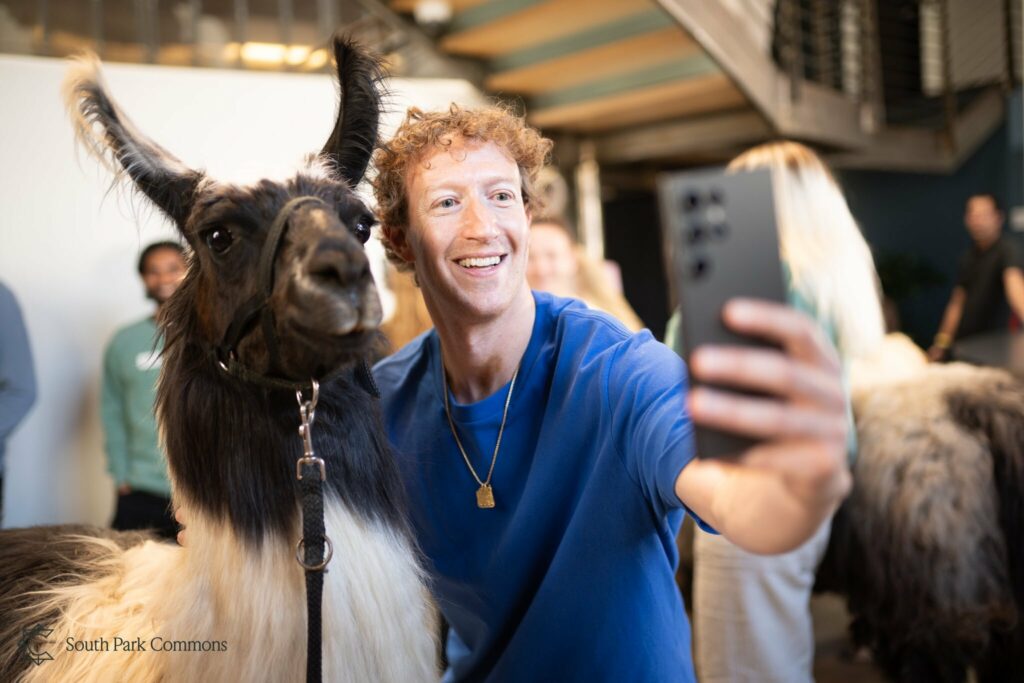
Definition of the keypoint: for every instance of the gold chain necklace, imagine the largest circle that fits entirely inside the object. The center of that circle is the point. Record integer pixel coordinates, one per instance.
(484, 494)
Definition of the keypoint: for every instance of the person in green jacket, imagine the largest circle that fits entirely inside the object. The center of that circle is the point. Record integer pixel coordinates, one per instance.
(131, 366)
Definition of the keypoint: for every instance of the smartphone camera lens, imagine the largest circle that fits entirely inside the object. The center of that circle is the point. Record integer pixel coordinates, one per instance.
(720, 231)
(715, 197)
(699, 267)
(690, 201)
(696, 234)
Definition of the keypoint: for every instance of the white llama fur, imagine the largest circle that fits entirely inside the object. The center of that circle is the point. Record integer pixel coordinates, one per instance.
(378, 623)
(895, 360)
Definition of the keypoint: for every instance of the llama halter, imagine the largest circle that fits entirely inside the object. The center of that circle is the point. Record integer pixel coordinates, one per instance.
(246, 316)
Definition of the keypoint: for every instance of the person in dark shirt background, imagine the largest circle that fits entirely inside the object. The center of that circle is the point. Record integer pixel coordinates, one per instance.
(989, 281)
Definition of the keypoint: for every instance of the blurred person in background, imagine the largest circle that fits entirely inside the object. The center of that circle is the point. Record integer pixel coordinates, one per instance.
(17, 377)
(131, 367)
(410, 317)
(557, 265)
(989, 280)
(752, 620)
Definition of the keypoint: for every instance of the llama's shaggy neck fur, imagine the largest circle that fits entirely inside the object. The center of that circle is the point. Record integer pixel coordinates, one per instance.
(377, 625)
(232, 450)
(232, 446)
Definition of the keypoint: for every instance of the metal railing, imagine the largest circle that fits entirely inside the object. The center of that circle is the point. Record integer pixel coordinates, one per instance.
(919, 62)
(827, 42)
(281, 35)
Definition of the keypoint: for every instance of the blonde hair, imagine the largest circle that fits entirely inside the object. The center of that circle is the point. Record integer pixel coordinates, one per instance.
(592, 284)
(424, 132)
(829, 261)
(597, 292)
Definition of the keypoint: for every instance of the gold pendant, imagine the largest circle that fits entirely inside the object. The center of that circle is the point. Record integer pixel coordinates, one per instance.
(485, 496)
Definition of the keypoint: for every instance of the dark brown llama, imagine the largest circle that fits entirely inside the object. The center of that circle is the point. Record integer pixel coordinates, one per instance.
(278, 293)
(928, 548)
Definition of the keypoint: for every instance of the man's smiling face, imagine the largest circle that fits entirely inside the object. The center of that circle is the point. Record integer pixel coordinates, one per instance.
(468, 230)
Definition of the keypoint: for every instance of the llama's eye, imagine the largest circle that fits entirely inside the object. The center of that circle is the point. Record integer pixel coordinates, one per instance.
(362, 227)
(218, 239)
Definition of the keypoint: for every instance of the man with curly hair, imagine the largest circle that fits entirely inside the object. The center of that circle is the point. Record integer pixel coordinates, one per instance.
(547, 452)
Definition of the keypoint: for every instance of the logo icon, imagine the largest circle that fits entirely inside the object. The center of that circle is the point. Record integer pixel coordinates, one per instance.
(27, 644)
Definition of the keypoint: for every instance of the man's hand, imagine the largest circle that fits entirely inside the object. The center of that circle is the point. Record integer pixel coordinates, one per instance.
(777, 493)
(124, 489)
(950, 321)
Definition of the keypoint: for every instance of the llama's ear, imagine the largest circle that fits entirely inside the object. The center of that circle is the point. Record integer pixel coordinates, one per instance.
(110, 136)
(355, 131)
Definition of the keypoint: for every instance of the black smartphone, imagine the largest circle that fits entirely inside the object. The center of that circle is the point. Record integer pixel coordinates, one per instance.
(724, 244)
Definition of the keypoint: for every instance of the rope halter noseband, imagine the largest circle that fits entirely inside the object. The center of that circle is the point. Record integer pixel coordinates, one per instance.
(258, 307)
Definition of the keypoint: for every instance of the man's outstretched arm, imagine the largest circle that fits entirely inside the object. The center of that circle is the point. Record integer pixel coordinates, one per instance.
(777, 494)
(1013, 282)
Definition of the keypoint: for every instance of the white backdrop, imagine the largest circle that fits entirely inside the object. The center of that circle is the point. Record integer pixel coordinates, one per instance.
(68, 248)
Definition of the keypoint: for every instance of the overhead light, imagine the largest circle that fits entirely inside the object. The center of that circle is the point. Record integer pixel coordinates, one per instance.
(317, 59)
(296, 54)
(432, 15)
(276, 54)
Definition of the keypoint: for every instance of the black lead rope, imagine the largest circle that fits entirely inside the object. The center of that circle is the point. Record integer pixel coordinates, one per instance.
(314, 550)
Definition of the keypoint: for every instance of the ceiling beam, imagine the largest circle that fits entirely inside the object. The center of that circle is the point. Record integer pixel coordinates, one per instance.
(499, 27)
(712, 92)
(913, 150)
(685, 137)
(603, 34)
(598, 62)
(484, 13)
(695, 66)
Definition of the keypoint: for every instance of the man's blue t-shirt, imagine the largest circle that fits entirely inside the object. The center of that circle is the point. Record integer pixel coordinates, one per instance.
(571, 576)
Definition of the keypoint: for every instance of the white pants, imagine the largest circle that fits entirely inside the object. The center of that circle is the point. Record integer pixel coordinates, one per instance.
(751, 613)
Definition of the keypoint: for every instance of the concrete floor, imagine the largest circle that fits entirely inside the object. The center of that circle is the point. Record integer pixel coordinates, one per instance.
(833, 660)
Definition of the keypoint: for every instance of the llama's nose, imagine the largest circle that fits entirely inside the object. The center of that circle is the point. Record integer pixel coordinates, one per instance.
(336, 264)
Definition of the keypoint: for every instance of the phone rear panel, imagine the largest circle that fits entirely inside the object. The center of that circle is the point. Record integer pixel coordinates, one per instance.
(725, 245)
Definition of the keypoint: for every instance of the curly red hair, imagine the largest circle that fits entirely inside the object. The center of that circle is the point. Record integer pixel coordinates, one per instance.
(421, 133)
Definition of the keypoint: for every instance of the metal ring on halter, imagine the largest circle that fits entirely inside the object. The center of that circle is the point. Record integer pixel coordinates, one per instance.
(223, 365)
(314, 567)
(313, 399)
